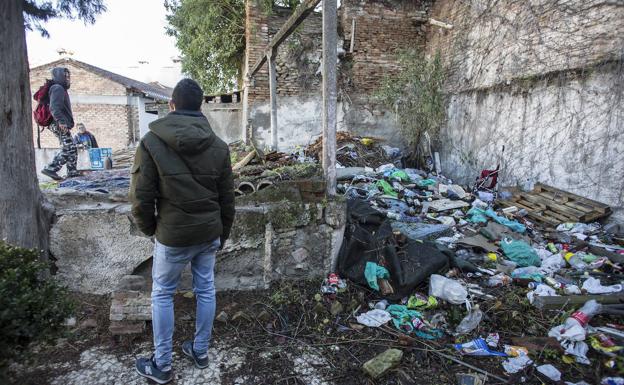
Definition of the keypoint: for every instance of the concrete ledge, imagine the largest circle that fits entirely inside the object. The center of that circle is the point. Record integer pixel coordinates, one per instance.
(284, 232)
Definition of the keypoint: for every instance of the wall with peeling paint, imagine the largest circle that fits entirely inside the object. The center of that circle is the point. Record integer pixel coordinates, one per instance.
(546, 80)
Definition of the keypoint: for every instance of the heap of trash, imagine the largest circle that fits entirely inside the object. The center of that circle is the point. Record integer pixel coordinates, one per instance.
(426, 248)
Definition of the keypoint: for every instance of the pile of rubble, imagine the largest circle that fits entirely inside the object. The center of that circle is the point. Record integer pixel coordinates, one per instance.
(427, 247)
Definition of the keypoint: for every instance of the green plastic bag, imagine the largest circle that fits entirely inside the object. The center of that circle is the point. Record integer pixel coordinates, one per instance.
(374, 271)
(425, 182)
(520, 252)
(400, 175)
(387, 189)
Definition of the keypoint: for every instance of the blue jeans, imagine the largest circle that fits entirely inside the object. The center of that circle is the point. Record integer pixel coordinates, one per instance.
(166, 270)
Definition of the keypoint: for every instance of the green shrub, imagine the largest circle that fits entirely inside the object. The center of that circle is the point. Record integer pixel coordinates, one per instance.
(415, 94)
(32, 308)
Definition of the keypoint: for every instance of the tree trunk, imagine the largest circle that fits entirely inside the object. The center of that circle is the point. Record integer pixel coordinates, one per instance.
(23, 220)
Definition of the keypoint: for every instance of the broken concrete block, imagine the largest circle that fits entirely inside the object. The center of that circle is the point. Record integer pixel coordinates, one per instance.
(95, 249)
(336, 308)
(380, 364)
(131, 306)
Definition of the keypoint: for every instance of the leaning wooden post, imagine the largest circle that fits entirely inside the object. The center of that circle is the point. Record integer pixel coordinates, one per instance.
(330, 56)
(273, 95)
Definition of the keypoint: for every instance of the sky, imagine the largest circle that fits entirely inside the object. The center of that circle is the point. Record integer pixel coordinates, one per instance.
(129, 32)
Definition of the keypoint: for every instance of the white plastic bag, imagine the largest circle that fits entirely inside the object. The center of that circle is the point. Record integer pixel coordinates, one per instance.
(374, 318)
(550, 371)
(541, 290)
(593, 286)
(447, 289)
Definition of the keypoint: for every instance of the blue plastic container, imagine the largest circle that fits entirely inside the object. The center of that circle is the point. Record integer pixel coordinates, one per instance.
(98, 156)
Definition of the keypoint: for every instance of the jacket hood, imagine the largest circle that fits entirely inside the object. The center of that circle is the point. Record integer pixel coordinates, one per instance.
(58, 76)
(186, 134)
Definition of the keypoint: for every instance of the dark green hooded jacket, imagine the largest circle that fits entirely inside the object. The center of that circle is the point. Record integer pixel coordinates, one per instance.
(182, 187)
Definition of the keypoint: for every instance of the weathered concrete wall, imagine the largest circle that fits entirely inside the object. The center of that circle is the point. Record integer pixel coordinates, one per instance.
(225, 120)
(299, 121)
(382, 30)
(543, 78)
(279, 233)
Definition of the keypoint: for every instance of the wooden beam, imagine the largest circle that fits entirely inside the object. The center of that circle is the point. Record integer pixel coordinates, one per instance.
(330, 57)
(352, 35)
(561, 302)
(273, 97)
(302, 11)
(440, 24)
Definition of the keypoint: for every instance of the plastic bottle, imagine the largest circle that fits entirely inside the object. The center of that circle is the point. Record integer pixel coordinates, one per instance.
(498, 280)
(447, 289)
(583, 315)
(575, 261)
(470, 321)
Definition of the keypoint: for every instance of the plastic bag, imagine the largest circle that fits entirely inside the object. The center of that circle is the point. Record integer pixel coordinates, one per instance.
(516, 364)
(541, 290)
(374, 318)
(477, 347)
(374, 271)
(520, 252)
(550, 372)
(447, 289)
(593, 286)
(470, 321)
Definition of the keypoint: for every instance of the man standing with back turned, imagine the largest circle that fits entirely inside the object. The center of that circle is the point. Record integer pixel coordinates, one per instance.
(182, 192)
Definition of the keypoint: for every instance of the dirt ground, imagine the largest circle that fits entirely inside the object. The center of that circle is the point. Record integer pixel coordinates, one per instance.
(286, 335)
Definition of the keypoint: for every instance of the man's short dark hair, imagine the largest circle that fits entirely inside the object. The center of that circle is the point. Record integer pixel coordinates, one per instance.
(187, 95)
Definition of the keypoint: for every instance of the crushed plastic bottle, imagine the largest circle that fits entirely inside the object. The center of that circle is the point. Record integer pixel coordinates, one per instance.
(470, 321)
(447, 289)
(575, 261)
(498, 280)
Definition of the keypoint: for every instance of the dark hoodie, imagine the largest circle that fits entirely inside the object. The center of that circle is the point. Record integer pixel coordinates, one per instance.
(182, 169)
(60, 105)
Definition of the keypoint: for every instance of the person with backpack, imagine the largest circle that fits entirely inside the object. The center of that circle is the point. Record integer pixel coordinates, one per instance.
(182, 192)
(84, 138)
(61, 121)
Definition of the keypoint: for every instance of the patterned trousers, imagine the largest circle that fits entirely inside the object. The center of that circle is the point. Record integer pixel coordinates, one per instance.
(68, 154)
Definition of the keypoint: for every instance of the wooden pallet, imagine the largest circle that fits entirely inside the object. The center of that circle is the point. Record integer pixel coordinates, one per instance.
(551, 206)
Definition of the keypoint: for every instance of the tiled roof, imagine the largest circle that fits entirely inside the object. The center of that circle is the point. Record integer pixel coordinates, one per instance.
(153, 91)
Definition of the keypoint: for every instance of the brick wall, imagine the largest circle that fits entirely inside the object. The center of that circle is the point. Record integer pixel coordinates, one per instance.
(382, 30)
(110, 123)
(298, 58)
